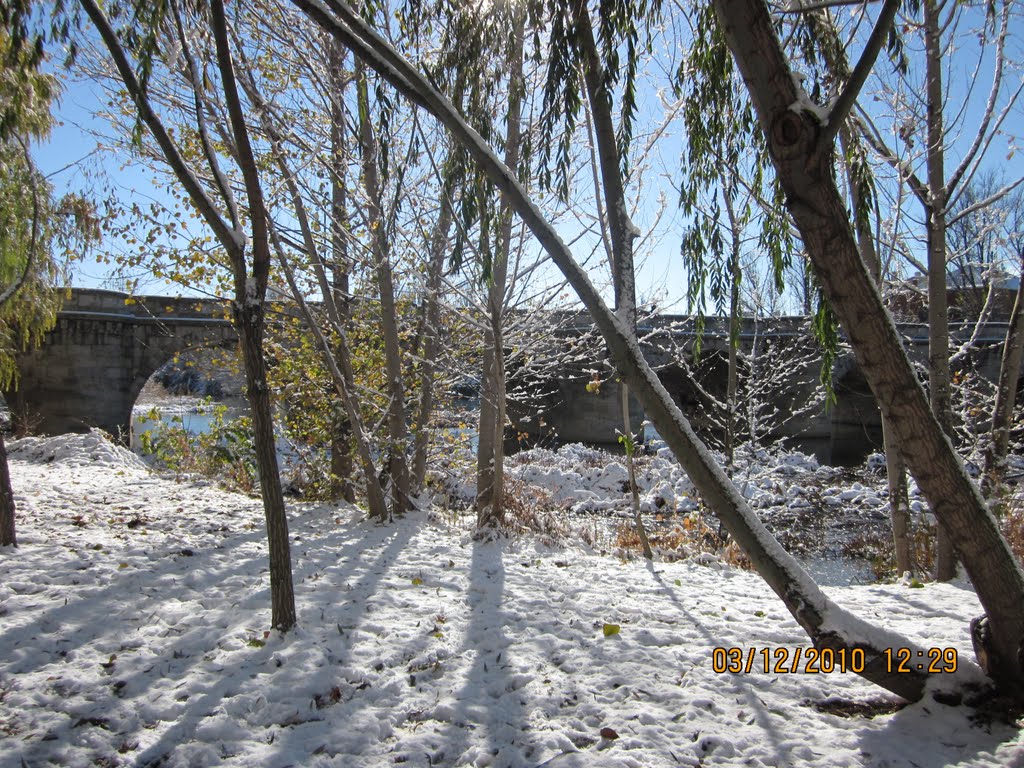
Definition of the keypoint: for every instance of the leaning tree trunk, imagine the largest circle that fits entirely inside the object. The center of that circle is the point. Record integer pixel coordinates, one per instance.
(805, 169)
(937, 468)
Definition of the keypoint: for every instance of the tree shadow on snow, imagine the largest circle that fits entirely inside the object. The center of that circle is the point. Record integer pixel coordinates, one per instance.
(929, 733)
(211, 599)
(491, 697)
(776, 740)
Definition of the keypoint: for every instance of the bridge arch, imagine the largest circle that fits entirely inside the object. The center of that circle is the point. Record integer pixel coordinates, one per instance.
(91, 367)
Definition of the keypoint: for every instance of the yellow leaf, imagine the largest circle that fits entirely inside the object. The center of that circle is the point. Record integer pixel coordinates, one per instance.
(611, 629)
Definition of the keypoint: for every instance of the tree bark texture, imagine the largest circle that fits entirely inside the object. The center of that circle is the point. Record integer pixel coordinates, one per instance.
(8, 536)
(805, 170)
(249, 322)
(397, 428)
(430, 335)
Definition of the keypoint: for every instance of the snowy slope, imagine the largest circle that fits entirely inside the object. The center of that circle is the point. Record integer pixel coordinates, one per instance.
(134, 612)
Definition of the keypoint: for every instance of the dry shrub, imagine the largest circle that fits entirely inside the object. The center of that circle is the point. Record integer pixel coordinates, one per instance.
(879, 551)
(734, 555)
(692, 535)
(1012, 525)
(528, 509)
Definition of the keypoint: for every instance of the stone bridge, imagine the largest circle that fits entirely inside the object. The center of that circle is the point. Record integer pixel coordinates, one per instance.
(91, 367)
(781, 395)
(105, 346)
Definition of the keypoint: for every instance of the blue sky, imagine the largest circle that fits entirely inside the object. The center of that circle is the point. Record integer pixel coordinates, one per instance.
(75, 162)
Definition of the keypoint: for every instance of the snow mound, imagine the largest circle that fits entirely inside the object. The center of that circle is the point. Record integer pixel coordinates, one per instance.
(93, 448)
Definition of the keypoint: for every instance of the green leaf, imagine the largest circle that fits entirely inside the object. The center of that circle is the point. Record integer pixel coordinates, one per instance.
(611, 629)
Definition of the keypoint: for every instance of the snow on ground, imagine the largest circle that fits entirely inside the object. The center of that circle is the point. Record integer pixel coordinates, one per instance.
(134, 619)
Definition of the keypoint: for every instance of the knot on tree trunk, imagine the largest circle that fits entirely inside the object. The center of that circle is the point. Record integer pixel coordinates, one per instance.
(790, 135)
(793, 135)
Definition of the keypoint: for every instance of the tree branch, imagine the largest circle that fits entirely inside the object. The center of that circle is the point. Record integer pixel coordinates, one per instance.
(247, 164)
(997, 79)
(228, 236)
(219, 179)
(877, 143)
(848, 97)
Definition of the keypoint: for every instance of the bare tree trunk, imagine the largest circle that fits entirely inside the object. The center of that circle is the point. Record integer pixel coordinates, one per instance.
(339, 363)
(250, 288)
(896, 471)
(490, 500)
(1006, 398)
(634, 492)
(899, 504)
(397, 428)
(939, 386)
(490, 466)
(250, 295)
(490, 457)
(431, 342)
(249, 322)
(342, 466)
(732, 375)
(623, 231)
(338, 359)
(8, 538)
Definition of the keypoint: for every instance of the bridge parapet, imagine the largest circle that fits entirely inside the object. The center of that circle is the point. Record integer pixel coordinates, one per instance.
(101, 301)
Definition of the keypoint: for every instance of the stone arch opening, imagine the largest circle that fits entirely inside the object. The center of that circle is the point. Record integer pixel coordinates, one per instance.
(104, 347)
(177, 389)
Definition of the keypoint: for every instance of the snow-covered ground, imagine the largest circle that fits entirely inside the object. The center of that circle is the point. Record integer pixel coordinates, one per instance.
(134, 618)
